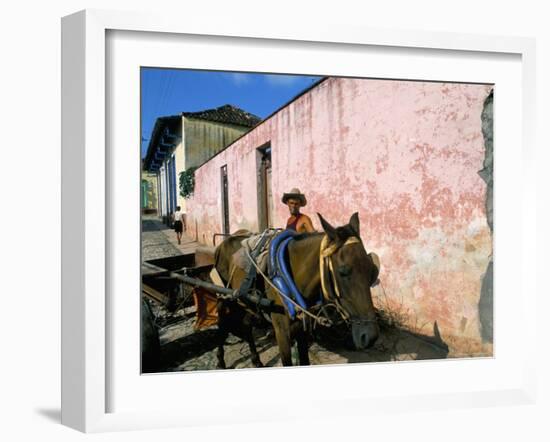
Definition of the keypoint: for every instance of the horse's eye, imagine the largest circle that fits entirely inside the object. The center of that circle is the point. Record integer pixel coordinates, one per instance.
(344, 270)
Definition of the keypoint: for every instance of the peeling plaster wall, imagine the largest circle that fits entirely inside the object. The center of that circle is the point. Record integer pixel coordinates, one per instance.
(403, 154)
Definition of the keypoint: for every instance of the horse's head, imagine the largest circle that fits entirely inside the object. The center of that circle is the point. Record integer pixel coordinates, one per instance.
(348, 276)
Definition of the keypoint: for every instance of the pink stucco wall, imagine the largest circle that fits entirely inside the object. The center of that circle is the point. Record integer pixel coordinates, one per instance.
(403, 154)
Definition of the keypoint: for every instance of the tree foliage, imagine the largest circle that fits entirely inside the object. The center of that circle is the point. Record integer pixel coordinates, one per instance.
(187, 182)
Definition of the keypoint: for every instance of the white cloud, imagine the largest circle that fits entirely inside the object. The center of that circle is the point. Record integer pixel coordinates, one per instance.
(240, 79)
(281, 80)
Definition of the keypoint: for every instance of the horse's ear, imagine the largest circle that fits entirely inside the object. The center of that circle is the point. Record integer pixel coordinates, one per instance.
(329, 230)
(354, 223)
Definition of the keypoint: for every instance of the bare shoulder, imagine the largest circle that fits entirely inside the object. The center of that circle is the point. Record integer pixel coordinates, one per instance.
(305, 221)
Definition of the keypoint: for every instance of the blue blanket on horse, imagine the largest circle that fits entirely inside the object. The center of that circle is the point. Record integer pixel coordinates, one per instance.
(280, 274)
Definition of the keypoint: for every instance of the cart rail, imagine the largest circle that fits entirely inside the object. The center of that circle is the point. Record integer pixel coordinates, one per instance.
(225, 292)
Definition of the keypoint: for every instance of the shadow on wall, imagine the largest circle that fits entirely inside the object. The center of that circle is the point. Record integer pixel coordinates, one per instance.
(485, 305)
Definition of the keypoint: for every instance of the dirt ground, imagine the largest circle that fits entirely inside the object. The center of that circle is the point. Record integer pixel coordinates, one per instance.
(183, 348)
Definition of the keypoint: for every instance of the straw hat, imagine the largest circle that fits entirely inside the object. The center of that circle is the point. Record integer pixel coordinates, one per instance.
(295, 193)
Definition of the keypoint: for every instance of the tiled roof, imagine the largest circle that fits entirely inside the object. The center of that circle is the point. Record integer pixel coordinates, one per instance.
(226, 114)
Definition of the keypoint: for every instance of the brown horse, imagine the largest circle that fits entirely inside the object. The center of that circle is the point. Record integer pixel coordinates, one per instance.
(348, 280)
(347, 287)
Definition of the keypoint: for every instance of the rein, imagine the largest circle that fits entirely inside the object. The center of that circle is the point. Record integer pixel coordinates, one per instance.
(327, 268)
(331, 292)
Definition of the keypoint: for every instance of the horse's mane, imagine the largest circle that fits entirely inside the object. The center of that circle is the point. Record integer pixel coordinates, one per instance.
(306, 235)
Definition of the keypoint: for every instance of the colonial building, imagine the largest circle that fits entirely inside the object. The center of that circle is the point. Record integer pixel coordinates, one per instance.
(180, 142)
(406, 155)
(149, 195)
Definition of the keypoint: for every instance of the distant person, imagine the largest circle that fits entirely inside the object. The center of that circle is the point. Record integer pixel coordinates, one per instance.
(297, 221)
(178, 223)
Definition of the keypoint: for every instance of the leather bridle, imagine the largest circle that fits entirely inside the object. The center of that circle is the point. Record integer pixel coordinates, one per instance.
(331, 292)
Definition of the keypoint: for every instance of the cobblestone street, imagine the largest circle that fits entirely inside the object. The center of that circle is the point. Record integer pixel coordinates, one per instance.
(159, 241)
(184, 349)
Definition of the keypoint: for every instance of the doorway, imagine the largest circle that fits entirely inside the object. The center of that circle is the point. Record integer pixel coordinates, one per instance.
(225, 200)
(265, 196)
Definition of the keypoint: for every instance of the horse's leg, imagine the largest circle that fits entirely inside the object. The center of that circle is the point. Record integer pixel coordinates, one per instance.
(221, 338)
(254, 356)
(222, 334)
(242, 328)
(242, 321)
(281, 325)
(303, 351)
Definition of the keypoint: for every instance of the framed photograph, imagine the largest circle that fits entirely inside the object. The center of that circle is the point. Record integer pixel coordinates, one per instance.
(247, 214)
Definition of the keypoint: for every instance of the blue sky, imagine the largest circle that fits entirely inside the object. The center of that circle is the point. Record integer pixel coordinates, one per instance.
(171, 91)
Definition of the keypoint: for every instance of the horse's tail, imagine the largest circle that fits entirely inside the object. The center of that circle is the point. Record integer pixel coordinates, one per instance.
(217, 255)
(218, 268)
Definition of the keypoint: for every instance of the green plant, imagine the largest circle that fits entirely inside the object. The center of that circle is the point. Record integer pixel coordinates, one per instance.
(187, 182)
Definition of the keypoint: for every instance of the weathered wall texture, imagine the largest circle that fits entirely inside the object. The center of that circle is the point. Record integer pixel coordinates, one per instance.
(206, 138)
(406, 156)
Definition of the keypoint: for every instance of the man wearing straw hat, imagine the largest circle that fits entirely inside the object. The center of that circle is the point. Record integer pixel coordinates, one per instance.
(297, 221)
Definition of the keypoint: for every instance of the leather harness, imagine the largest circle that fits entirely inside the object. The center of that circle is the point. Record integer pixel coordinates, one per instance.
(331, 292)
(281, 277)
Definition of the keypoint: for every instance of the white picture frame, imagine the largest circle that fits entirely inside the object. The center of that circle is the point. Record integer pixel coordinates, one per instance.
(87, 214)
